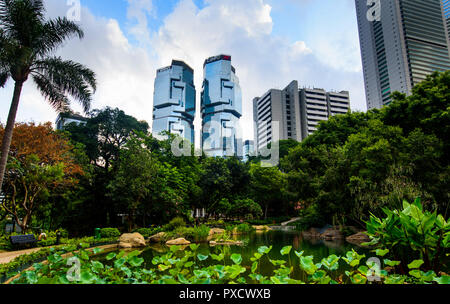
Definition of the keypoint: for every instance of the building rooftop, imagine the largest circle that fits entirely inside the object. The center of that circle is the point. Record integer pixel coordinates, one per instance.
(217, 58)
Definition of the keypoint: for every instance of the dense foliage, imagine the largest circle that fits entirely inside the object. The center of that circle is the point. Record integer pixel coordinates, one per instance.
(189, 267)
(359, 163)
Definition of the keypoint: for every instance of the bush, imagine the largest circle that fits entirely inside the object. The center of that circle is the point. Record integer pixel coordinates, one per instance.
(244, 228)
(245, 208)
(201, 233)
(412, 233)
(175, 223)
(109, 232)
(148, 232)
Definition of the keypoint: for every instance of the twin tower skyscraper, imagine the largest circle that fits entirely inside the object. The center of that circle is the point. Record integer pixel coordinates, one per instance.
(174, 105)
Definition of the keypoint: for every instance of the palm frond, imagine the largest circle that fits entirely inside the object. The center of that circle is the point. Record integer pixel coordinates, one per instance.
(52, 93)
(68, 77)
(4, 70)
(4, 76)
(55, 32)
(22, 20)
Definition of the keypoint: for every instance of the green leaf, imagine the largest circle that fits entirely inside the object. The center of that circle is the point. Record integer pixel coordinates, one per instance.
(254, 267)
(182, 279)
(442, 280)
(162, 267)
(264, 249)
(194, 247)
(136, 261)
(381, 252)
(416, 273)
(87, 277)
(307, 264)
(202, 257)
(119, 263)
(175, 248)
(219, 257)
(97, 250)
(188, 264)
(236, 258)
(415, 264)
(111, 256)
(285, 250)
(97, 265)
(391, 263)
(299, 254)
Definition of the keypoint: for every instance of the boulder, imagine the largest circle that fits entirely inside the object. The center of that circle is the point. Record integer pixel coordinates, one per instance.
(213, 231)
(262, 228)
(131, 240)
(358, 238)
(157, 238)
(311, 233)
(179, 241)
(332, 234)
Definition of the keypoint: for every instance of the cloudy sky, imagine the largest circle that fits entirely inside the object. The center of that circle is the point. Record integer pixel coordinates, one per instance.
(271, 43)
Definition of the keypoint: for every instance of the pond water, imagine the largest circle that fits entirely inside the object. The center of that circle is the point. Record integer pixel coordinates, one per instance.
(278, 239)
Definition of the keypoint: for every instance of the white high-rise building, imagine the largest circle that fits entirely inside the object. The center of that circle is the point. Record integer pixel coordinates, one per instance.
(294, 113)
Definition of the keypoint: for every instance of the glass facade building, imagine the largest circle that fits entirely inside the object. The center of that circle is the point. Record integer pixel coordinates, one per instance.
(402, 47)
(446, 8)
(174, 101)
(221, 108)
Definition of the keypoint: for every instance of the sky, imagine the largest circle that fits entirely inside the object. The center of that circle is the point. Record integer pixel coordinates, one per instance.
(272, 42)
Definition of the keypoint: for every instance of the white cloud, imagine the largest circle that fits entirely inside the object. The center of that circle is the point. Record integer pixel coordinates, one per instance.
(124, 72)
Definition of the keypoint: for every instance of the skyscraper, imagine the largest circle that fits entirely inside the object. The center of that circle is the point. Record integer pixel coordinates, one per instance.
(402, 41)
(446, 9)
(221, 102)
(174, 101)
(294, 113)
(282, 107)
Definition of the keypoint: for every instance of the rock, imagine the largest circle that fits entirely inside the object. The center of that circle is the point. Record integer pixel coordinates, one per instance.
(213, 231)
(179, 241)
(311, 233)
(332, 234)
(131, 240)
(262, 228)
(157, 238)
(358, 238)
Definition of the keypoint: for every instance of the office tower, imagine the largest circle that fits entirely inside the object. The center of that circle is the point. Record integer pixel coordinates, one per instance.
(221, 102)
(402, 42)
(318, 105)
(174, 101)
(249, 149)
(446, 9)
(294, 113)
(67, 118)
(281, 107)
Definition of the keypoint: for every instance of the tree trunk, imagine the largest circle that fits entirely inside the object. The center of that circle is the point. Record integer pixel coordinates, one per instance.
(265, 211)
(7, 136)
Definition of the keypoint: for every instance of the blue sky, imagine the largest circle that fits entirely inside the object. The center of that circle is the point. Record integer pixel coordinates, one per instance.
(271, 43)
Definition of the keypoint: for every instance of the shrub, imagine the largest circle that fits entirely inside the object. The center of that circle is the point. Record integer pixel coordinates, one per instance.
(175, 223)
(201, 233)
(412, 233)
(109, 232)
(148, 232)
(244, 228)
(245, 208)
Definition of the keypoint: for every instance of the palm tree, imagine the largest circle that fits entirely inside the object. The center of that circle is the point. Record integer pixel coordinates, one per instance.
(27, 42)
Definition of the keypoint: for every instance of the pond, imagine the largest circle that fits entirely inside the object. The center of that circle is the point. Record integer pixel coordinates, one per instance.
(251, 242)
